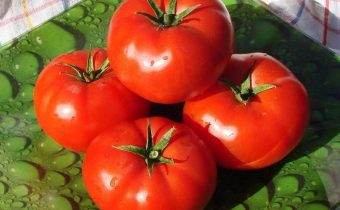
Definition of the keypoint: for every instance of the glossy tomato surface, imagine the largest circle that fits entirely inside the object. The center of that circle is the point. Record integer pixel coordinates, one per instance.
(119, 180)
(73, 112)
(170, 64)
(263, 130)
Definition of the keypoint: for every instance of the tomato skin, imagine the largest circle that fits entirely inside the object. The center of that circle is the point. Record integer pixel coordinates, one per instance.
(72, 112)
(259, 133)
(119, 180)
(170, 65)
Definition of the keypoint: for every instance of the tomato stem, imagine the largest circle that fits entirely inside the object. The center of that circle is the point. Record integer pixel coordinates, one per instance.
(152, 153)
(169, 18)
(90, 74)
(245, 92)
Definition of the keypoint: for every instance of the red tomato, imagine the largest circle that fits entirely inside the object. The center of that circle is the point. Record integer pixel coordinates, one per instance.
(169, 64)
(120, 180)
(260, 131)
(72, 111)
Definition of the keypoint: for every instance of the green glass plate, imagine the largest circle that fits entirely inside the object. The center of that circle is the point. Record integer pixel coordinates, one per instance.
(36, 173)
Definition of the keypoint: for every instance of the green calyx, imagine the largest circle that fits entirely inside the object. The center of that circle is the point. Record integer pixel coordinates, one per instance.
(152, 153)
(90, 74)
(245, 92)
(167, 18)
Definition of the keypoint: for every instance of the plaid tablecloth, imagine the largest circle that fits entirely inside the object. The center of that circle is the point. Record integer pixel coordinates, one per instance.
(319, 19)
(20, 16)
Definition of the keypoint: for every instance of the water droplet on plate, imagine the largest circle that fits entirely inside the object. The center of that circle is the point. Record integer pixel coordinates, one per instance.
(8, 122)
(47, 146)
(56, 179)
(314, 206)
(26, 92)
(78, 184)
(25, 171)
(17, 143)
(288, 184)
(3, 188)
(53, 40)
(21, 190)
(26, 65)
(64, 161)
(99, 8)
(8, 86)
(18, 204)
(59, 202)
(76, 13)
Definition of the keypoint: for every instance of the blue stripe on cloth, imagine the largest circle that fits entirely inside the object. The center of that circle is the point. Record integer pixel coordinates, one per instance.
(299, 13)
(65, 4)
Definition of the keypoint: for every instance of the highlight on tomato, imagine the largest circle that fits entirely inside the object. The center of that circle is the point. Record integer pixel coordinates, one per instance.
(169, 51)
(254, 116)
(77, 95)
(151, 163)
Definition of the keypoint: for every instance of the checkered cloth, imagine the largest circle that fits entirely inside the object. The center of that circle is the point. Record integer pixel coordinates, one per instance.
(20, 16)
(319, 19)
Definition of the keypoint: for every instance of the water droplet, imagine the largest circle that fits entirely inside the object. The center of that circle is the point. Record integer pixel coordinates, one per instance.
(8, 122)
(297, 200)
(93, 26)
(47, 146)
(25, 171)
(314, 206)
(289, 184)
(77, 198)
(18, 204)
(88, 19)
(152, 63)
(56, 179)
(78, 184)
(59, 202)
(88, 2)
(289, 208)
(3, 188)
(76, 13)
(322, 153)
(64, 161)
(97, 20)
(35, 197)
(54, 40)
(7, 86)
(26, 65)
(74, 171)
(21, 190)
(99, 41)
(30, 112)
(99, 8)
(26, 92)
(309, 195)
(17, 143)
(260, 198)
(86, 202)
(34, 127)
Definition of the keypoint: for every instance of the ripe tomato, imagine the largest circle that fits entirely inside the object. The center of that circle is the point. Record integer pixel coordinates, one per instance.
(180, 172)
(71, 110)
(261, 129)
(168, 61)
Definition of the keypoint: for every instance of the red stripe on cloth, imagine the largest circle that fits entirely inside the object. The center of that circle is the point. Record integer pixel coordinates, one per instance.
(318, 19)
(31, 12)
(325, 23)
